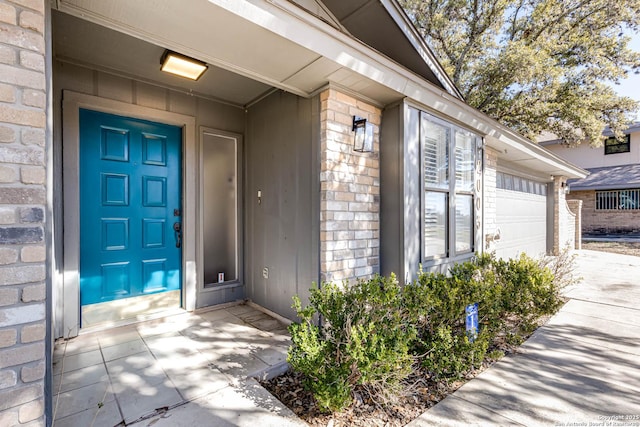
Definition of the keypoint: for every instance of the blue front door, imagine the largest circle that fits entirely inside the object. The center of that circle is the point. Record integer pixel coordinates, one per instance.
(130, 207)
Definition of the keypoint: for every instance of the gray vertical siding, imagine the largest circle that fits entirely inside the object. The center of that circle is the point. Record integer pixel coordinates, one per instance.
(282, 232)
(391, 188)
(400, 192)
(412, 194)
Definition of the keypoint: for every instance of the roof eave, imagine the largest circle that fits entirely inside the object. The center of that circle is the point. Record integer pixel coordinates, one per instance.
(604, 187)
(548, 160)
(415, 38)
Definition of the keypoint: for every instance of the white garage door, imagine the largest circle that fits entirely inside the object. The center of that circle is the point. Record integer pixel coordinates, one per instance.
(521, 216)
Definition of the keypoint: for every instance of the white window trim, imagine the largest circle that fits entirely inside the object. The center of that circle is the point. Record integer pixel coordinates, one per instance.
(477, 223)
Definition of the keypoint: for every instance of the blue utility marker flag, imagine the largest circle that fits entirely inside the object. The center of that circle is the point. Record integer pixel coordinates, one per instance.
(471, 312)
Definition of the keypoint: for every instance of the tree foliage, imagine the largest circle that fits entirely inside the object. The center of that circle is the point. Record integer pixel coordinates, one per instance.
(537, 65)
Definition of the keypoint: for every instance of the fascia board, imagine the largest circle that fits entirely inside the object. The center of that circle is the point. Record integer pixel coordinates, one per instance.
(314, 34)
(547, 159)
(631, 185)
(418, 43)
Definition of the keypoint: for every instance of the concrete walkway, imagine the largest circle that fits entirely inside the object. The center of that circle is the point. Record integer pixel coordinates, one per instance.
(581, 368)
(191, 369)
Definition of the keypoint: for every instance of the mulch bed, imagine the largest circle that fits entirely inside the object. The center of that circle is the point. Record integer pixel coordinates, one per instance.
(420, 393)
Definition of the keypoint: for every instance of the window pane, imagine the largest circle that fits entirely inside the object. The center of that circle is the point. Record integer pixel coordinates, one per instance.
(516, 183)
(508, 182)
(435, 224)
(435, 146)
(628, 199)
(465, 160)
(464, 223)
(613, 146)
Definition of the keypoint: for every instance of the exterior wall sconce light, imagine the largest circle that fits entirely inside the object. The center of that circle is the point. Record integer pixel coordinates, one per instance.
(182, 66)
(363, 137)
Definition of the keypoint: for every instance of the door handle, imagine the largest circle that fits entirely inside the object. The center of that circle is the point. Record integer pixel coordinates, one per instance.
(177, 228)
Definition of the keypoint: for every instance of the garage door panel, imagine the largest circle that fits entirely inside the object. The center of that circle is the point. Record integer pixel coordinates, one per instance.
(522, 220)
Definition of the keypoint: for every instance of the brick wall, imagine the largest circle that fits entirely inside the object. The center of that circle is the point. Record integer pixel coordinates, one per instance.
(22, 212)
(564, 221)
(575, 206)
(606, 221)
(350, 191)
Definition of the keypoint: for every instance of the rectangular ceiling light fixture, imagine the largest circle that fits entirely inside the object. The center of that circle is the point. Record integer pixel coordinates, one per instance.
(182, 66)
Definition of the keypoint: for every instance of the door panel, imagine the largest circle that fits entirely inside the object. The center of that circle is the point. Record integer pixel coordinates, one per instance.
(130, 199)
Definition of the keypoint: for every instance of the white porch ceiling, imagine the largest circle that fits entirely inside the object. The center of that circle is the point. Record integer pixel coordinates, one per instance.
(87, 44)
(247, 60)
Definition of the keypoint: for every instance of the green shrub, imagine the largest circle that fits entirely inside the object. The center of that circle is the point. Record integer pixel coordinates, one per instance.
(364, 340)
(437, 306)
(452, 354)
(372, 331)
(530, 291)
(511, 296)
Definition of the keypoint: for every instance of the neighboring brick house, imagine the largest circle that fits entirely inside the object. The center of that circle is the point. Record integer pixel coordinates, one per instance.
(610, 195)
(128, 193)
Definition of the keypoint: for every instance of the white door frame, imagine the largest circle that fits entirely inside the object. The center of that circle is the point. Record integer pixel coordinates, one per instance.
(71, 104)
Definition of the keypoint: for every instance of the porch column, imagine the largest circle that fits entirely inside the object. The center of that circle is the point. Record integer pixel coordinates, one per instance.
(350, 191)
(576, 207)
(23, 210)
(564, 220)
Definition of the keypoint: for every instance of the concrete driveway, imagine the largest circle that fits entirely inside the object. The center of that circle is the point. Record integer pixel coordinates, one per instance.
(581, 368)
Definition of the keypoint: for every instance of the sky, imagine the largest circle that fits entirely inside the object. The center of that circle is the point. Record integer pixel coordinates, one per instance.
(631, 86)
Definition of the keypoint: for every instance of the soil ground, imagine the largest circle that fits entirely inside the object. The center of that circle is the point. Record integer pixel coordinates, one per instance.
(420, 394)
(617, 247)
